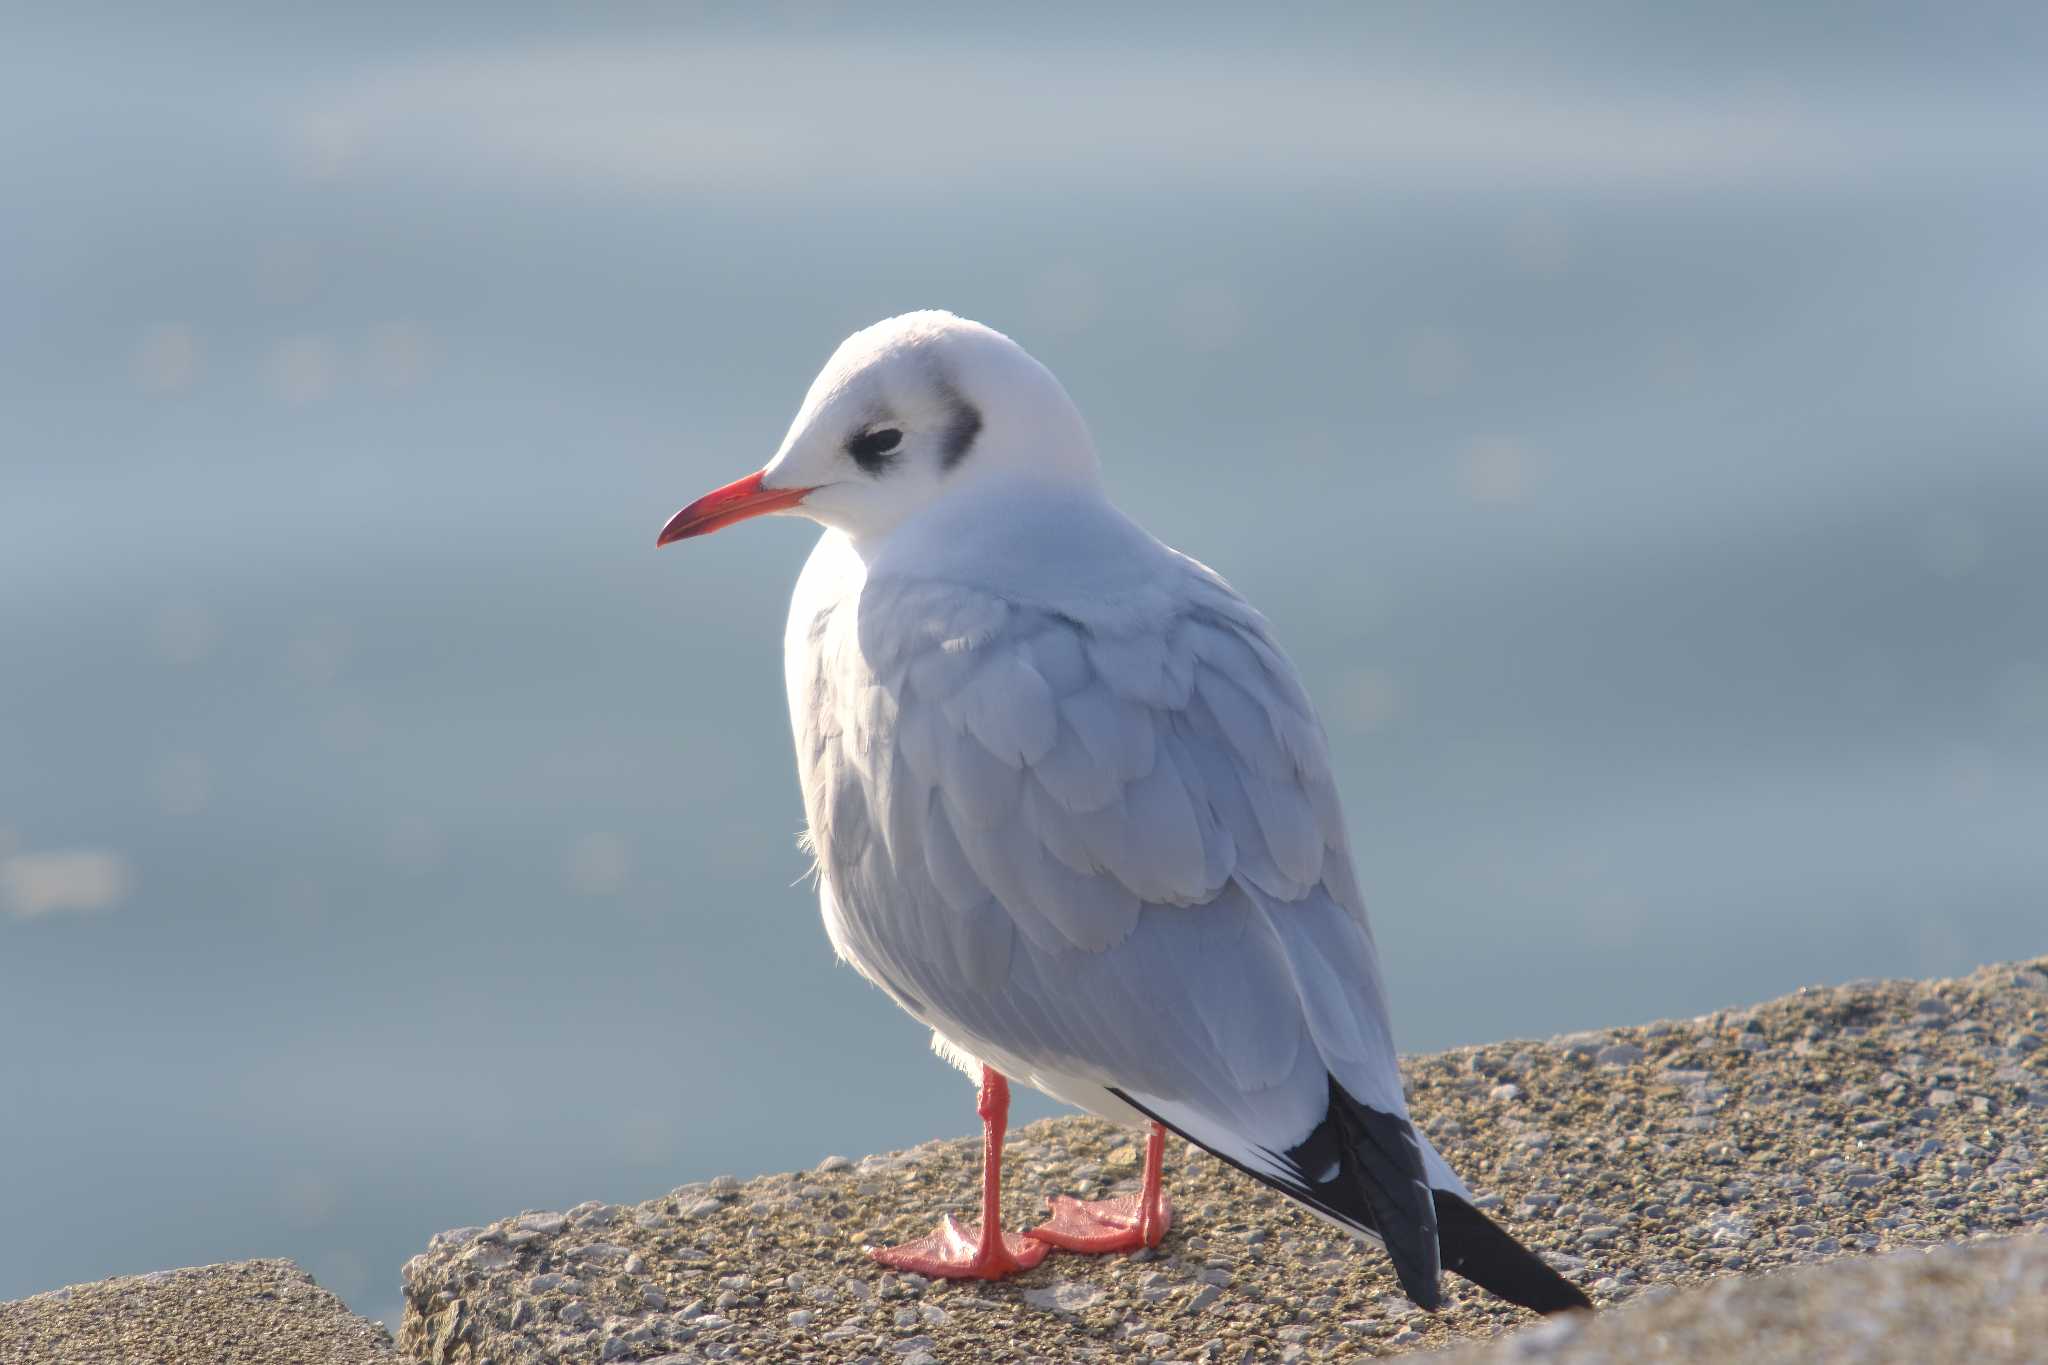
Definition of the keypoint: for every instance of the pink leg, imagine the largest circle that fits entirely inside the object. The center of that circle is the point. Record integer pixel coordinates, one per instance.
(953, 1252)
(1121, 1224)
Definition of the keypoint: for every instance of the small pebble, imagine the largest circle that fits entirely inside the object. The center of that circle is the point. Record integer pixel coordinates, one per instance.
(1064, 1296)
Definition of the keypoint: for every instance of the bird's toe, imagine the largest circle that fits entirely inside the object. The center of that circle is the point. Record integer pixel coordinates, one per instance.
(957, 1251)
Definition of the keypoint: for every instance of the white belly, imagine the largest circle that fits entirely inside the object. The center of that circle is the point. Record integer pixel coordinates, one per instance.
(958, 1046)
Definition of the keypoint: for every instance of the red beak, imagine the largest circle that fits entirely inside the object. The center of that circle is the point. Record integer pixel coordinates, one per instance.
(738, 500)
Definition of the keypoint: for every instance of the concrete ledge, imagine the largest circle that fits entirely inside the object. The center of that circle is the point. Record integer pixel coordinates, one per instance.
(239, 1313)
(1985, 1302)
(1730, 1149)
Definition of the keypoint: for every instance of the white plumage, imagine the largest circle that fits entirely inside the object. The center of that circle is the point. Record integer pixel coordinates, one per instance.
(1071, 805)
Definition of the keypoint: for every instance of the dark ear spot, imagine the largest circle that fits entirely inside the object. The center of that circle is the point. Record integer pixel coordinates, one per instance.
(963, 424)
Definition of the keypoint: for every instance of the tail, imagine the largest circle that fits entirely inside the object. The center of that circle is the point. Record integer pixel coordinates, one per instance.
(1360, 1168)
(1364, 1169)
(1482, 1251)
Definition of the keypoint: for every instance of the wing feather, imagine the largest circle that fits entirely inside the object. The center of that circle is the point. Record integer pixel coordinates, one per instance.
(1073, 777)
(1245, 725)
(1052, 820)
(1219, 848)
(1116, 731)
(1160, 855)
(1008, 707)
(979, 787)
(1224, 786)
(1142, 666)
(1288, 821)
(946, 865)
(1057, 655)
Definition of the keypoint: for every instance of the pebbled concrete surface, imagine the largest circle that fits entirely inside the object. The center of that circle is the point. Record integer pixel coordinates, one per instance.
(1985, 1303)
(238, 1313)
(1818, 1128)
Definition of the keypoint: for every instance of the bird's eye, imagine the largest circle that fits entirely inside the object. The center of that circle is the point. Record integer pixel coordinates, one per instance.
(871, 449)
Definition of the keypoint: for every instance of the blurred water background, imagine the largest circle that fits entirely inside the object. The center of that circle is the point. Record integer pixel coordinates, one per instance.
(1634, 422)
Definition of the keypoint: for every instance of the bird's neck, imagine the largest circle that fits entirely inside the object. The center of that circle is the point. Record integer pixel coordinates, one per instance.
(1049, 544)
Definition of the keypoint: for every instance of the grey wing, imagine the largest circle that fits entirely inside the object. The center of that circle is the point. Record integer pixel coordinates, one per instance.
(1119, 856)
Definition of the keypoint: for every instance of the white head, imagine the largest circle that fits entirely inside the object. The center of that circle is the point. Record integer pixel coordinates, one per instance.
(909, 411)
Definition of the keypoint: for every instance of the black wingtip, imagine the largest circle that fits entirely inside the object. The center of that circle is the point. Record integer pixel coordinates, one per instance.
(1384, 1163)
(1375, 1182)
(1363, 1168)
(1483, 1252)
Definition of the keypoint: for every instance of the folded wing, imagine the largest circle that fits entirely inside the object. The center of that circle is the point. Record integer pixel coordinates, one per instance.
(1108, 844)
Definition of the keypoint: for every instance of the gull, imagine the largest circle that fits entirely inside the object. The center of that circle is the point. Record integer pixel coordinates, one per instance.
(1072, 809)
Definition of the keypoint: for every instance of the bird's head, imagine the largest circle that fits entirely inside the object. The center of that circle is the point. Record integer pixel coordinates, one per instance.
(907, 412)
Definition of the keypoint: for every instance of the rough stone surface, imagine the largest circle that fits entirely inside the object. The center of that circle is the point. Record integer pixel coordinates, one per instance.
(1985, 1302)
(1827, 1125)
(241, 1313)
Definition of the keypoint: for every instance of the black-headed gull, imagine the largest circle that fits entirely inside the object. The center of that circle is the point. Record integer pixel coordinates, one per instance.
(1073, 810)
